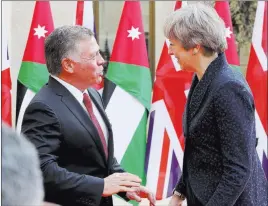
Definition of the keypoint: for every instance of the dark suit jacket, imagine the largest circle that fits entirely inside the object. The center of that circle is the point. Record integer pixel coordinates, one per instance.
(71, 154)
(221, 165)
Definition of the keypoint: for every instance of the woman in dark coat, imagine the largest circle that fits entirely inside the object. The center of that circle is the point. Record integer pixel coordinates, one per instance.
(221, 166)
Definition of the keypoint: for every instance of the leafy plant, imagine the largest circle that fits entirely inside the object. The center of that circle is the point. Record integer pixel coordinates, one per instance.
(243, 16)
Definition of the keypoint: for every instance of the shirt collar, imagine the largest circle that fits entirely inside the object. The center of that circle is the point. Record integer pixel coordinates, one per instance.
(73, 90)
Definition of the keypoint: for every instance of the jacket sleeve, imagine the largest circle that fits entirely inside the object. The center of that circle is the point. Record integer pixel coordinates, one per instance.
(116, 168)
(234, 111)
(41, 126)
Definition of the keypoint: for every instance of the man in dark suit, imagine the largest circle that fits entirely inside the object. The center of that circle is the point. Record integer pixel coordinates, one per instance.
(67, 123)
(221, 166)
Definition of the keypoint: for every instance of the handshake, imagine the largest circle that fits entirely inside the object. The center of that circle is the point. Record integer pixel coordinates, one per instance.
(129, 183)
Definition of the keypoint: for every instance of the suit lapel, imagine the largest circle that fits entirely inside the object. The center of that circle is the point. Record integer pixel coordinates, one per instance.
(78, 111)
(199, 88)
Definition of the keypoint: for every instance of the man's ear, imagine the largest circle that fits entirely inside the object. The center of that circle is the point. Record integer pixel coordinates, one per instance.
(67, 65)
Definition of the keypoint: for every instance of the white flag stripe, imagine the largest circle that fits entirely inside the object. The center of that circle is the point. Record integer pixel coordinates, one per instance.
(5, 61)
(26, 100)
(166, 183)
(186, 92)
(125, 117)
(155, 151)
(174, 140)
(100, 91)
(173, 58)
(162, 122)
(184, 3)
(257, 32)
(88, 15)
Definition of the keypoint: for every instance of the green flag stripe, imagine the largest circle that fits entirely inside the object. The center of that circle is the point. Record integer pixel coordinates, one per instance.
(236, 68)
(134, 158)
(135, 80)
(33, 75)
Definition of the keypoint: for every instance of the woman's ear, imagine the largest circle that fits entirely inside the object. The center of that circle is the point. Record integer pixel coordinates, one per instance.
(196, 49)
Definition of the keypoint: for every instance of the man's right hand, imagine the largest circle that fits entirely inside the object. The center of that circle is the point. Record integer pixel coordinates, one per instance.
(175, 201)
(120, 182)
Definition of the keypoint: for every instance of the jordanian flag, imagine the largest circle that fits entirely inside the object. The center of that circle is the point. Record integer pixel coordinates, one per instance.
(33, 73)
(223, 10)
(128, 94)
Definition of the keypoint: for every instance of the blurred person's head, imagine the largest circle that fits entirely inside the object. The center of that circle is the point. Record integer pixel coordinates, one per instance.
(196, 33)
(22, 182)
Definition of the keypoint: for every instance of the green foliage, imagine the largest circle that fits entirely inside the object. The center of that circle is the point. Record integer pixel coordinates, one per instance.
(243, 16)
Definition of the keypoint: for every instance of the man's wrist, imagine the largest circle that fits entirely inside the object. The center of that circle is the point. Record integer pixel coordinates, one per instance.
(179, 195)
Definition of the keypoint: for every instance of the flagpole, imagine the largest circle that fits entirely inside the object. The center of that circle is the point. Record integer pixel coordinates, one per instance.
(96, 10)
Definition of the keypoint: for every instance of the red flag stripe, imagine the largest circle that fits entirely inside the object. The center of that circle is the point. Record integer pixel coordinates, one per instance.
(125, 47)
(5, 76)
(42, 18)
(223, 10)
(257, 79)
(163, 167)
(178, 5)
(79, 13)
(6, 96)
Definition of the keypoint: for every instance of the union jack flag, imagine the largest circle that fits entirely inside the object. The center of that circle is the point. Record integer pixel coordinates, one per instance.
(257, 79)
(165, 145)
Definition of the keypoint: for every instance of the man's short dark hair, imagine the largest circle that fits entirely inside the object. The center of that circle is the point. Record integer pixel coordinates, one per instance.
(61, 42)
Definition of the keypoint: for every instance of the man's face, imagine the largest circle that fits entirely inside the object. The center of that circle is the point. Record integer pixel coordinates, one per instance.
(88, 64)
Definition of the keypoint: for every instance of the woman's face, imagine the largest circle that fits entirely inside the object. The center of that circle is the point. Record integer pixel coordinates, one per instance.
(186, 58)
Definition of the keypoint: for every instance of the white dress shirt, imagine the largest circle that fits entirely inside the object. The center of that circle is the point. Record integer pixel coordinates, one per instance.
(78, 95)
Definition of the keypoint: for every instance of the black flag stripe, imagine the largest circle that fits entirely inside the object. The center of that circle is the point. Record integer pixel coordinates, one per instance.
(21, 91)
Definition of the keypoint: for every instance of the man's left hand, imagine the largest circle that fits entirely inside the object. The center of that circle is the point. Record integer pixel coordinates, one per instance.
(142, 192)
